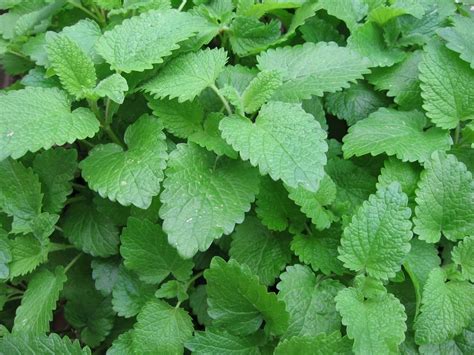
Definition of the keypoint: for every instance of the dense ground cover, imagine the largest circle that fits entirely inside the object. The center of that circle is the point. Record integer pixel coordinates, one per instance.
(232, 177)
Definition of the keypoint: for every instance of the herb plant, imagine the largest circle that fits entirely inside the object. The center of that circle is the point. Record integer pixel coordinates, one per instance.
(237, 177)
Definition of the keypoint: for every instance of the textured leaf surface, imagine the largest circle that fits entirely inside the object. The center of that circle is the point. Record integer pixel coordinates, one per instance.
(406, 174)
(113, 87)
(377, 325)
(27, 253)
(132, 176)
(320, 344)
(146, 251)
(198, 70)
(73, 67)
(239, 302)
(162, 329)
(291, 150)
(349, 11)
(463, 255)
(104, 273)
(260, 89)
(202, 198)
(447, 307)
(91, 231)
(29, 344)
(447, 85)
(265, 253)
(459, 38)
(378, 238)
(395, 133)
(309, 302)
(39, 302)
(141, 41)
(35, 118)
(309, 69)
(216, 342)
(445, 200)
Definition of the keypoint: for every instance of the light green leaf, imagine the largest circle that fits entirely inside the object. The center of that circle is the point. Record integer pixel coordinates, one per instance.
(27, 253)
(309, 302)
(447, 307)
(447, 86)
(291, 150)
(47, 113)
(395, 133)
(5, 259)
(129, 294)
(39, 301)
(132, 176)
(146, 251)
(203, 198)
(85, 33)
(113, 87)
(73, 67)
(55, 168)
(161, 329)
(463, 255)
(239, 303)
(368, 40)
(198, 70)
(219, 342)
(421, 259)
(444, 176)
(29, 344)
(90, 231)
(349, 11)
(459, 37)
(309, 69)
(378, 237)
(104, 273)
(320, 250)
(260, 90)
(265, 253)
(406, 174)
(20, 193)
(141, 41)
(377, 324)
(321, 344)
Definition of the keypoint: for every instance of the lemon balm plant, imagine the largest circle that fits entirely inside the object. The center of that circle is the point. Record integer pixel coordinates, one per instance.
(237, 177)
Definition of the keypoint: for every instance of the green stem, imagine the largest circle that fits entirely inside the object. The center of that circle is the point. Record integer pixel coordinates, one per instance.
(18, 54)
(194, 278)
(89, 144)
(310, 232)
(416, 286)
(82, 8)
(105, 125)
(182, 5)
(75, 199)
(222, 98)
(113, 136)
(72, 262)
(14, 298)
(78, 186)
(457, 133)
(60, 247)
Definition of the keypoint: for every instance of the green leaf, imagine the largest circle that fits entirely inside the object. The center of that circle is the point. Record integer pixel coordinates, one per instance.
(274, 209)
(29, 344)
(395, 133)
(90, 231)
(309, 69)
(260, 89)
(447, 86)
(39, 301)
(250, 36)
(198, 303)
(293, 151)
(421, 259)
(320, 250)
(355, 103)
(314, 204)
(146, 251)
(463, 255)
(219, 342)
(173, 289)
(47, 113)
(20, 193)
(55, 168)
(368, 41)
(27, 253)
(265, 253)
(114, 87)
(349, 11)
(376, 324)
(447, 307)
(309, 302)
(238, 302)
(451, 215)
(203, 198)
(320, 344)
(132, 176)
(161, 329)
(406, 174)
(141, 41)
(5, 258)
(459, 37)
(180, 119)
(401, 81)
(198, 70)
(74, 68)
(129, 294)
(104, 273)
(378, 237)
